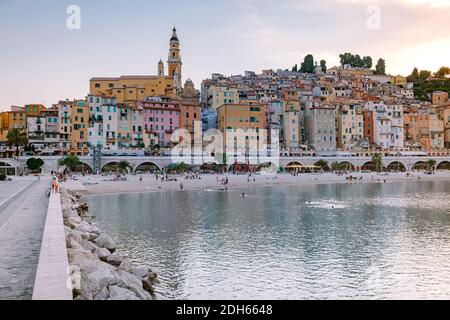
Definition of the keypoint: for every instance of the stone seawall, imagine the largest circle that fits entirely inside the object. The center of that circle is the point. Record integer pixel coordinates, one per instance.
(97, 271)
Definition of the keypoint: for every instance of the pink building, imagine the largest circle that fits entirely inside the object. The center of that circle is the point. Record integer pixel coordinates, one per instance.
(160, 118)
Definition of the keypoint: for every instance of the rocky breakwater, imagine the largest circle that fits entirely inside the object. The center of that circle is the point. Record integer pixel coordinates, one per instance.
(97, 271)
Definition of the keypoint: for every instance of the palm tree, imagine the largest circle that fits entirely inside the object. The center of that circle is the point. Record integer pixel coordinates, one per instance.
(17, 138)
(377, 161)
(335, 166)
(322, 164)
(431, 164)
(124, 165)
(71, 162)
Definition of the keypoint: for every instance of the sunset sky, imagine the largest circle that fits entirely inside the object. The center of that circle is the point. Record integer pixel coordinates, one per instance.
(41, 61)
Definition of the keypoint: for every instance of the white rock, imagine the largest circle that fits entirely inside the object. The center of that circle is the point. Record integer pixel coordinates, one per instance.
(103, 253)
(114, 260)
(102, 295)
(132, 283)
(83, 227)
(126, 265)
(118, 293)
(140, 272)
(87, 245)
(105, 241)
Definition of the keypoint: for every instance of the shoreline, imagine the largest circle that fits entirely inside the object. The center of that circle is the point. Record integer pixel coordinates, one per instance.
(97, 270)
(209, 182)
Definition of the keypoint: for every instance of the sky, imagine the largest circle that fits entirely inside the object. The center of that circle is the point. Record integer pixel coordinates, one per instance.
(43, 61)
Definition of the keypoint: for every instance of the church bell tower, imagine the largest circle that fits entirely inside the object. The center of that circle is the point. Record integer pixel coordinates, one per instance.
(174, 61)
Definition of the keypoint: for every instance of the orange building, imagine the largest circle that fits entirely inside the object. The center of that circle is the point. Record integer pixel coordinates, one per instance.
(368, 132)
(232, 118)
(79, 128)
(34, 110)
(10, 120)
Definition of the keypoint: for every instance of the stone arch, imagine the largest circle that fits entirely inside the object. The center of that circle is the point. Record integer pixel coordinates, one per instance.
(443, 165)
(369, 166)
(268, 167)
(347, 165)
(292, 163)
(420, 165)
(325, 168)
(6, 167)
(82, 168)
(147, 166)
(396, 166)
(110, 166)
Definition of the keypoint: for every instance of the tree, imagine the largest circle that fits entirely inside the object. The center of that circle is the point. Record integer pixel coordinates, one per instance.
(123, 166)
(431, 164)
(322, 164)
(335, 166)
(16, 138)
(424, 74)
(442, 72)
(357, 61)
(34, 164)
(307, 64)
(380, 68)
(295, 68)
(377, 161)
(323, 65)
(367, 62)
(70, 161)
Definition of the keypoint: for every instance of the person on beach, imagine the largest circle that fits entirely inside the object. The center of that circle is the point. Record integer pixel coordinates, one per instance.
(181, 185)
(140, 178)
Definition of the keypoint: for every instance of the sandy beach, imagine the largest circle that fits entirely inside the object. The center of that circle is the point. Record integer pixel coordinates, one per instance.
(212, 182)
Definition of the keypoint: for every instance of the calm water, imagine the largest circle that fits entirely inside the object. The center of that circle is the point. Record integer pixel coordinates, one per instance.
(355, 241)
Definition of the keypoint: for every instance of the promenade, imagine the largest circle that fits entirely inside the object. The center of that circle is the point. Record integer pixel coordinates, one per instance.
(23, 210)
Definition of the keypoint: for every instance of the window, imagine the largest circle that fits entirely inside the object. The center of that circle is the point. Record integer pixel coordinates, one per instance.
(97, 85)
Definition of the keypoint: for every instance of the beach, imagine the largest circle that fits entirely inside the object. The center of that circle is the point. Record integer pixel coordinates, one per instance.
(212, 182)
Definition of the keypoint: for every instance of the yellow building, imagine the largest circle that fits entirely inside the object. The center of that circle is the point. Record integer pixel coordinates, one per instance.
(349, 126)
(219, 95)
(10, 120)
(135, 88)
(232, 118)
(34, 110)
(79, 128)
(291, 124)
(398, 80)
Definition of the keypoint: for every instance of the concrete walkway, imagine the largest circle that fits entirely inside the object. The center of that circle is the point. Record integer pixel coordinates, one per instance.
(20, 240)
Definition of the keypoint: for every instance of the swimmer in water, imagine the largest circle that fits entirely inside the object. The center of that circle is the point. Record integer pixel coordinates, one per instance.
(243, 194)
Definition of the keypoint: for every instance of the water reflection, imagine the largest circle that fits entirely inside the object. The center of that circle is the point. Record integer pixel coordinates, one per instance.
(377, 240)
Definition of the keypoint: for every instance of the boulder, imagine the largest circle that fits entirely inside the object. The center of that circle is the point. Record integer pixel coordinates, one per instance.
(105, 241)
(132, 283)
(102, 253)
(118, 293)
(72, 222)
(148, 285)
(140, 272)
(114, 260)
(102, 295)
(96, 230)
(87, 245)
(83, 227)
(99, 279)
(126, 265)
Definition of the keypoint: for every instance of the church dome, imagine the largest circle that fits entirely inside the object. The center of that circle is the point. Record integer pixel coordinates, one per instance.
(174, 35)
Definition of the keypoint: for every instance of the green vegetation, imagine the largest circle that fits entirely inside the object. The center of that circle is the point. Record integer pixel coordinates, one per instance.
(377, 160)
(71, 162)
(355, 60)
(17, 138)
(178, 167)
(432, 164)
(308, 64)
(124, 166)
(34, 164)
(322, 164)
(425, 82)
(323, 65)
(380, 68)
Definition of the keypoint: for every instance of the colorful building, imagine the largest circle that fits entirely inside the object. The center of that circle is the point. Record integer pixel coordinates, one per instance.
(136, 88)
